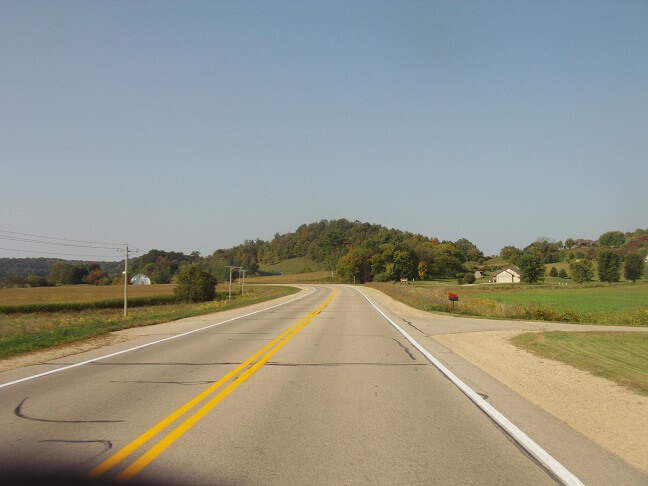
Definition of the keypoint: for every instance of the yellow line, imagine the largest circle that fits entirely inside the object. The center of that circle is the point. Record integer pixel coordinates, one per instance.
(127, 450)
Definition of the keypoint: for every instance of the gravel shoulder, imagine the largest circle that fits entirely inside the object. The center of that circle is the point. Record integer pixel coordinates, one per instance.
(606, 413)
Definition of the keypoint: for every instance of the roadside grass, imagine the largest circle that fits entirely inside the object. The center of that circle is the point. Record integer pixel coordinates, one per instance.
(24, 332)
(79, 293)
(310, 277)
(292, 266)
(621, 304)
(618, 356)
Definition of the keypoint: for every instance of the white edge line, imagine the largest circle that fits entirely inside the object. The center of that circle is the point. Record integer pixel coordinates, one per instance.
(149, 344)
(537, 452)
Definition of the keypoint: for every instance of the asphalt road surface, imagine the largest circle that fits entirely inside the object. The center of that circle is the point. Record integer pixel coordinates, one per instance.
(319, 390)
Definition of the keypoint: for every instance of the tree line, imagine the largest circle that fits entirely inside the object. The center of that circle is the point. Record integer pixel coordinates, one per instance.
(359, 252)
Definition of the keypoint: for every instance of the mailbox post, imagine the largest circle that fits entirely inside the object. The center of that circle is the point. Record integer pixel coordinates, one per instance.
(453, 298)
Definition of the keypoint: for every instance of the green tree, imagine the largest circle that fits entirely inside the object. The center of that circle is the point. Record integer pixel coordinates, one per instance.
(67, 273)
(468, 250)
(161, 275)
(609, 266)
(510, 253)
(612, 238)
(569, 242)
(581, 270)
(194, 284)
(553, 272)
(531, 267)
(403, 264)
(634, 267)
(355, 265)
(562, 273)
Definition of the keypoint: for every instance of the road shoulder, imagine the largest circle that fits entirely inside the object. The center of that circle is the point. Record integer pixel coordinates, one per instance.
(605, 413)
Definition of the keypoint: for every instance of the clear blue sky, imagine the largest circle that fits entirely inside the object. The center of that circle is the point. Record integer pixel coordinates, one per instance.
(195, 125)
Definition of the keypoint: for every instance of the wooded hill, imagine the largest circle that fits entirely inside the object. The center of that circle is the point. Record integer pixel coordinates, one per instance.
(361, 250)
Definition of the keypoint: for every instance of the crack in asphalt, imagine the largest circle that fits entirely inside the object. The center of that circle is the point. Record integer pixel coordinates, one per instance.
(146, 382)
(19, 413)
(409, 353)
(106, 443)
(408, 322)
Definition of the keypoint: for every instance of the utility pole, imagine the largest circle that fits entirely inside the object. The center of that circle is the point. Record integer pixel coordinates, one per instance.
(125, 280)
(230, 282)
(242, 270)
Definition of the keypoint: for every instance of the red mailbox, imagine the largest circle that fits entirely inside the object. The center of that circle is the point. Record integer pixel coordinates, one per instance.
(453, 298)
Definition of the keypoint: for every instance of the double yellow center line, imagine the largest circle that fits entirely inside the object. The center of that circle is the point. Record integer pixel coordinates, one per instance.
(246, 369)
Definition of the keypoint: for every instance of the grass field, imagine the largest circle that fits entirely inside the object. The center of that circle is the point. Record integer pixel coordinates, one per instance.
(29, 331)
(311, 277)
(292, 266)
(620, 304)
(619, 356)
(594, 299)
(79, 293)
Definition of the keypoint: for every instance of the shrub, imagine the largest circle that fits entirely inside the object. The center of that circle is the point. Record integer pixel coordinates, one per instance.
(562, 273)
(553, 272)
(469, 278)
(193, 284)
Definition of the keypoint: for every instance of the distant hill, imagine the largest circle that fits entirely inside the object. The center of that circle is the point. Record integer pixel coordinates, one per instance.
(24, 267)
(356, 251)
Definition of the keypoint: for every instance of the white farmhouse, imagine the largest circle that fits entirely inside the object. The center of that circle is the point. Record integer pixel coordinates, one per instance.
(507, 275)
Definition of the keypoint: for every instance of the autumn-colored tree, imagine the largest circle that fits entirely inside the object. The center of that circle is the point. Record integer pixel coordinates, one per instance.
(422, 270)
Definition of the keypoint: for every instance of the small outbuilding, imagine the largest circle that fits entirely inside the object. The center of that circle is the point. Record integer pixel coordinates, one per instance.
(507, 275)
(140, 279)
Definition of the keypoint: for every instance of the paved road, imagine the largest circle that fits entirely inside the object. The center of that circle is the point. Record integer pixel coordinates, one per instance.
(345, 399)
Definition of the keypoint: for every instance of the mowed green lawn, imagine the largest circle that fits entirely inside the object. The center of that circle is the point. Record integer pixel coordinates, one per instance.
(618, 356)
(613, 298)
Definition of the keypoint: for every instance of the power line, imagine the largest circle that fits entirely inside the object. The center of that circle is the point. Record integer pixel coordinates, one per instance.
(53, 253)
(41, 242)
(60, 239)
